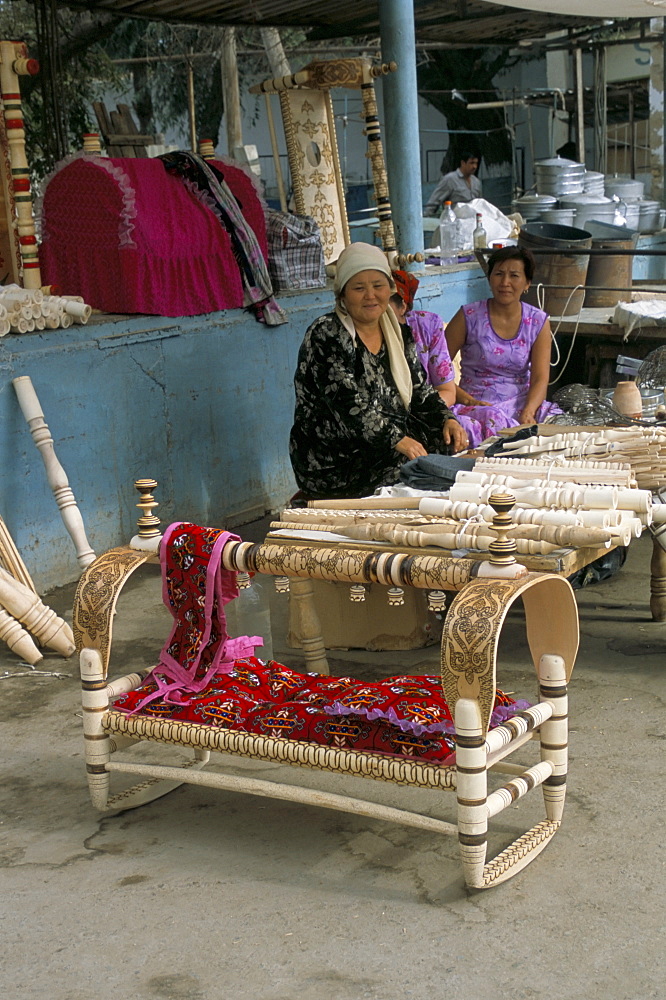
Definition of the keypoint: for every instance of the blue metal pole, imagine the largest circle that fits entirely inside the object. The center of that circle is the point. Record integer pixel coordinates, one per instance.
(401, 113)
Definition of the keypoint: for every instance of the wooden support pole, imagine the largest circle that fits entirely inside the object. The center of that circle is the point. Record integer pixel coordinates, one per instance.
(230, 90)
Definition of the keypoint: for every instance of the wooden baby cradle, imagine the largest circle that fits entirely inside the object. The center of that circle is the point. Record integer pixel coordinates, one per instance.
(470, 638)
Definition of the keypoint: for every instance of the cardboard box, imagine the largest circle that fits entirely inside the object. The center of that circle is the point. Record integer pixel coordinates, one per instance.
(372, 624)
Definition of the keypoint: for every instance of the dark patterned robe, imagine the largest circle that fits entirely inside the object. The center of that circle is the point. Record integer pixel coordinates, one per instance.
(349, 415)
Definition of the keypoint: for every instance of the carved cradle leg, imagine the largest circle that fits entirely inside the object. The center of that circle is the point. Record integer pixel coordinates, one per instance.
(469, 653)
(99, 746)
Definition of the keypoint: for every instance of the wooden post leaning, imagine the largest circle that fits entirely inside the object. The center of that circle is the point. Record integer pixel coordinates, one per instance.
(14, 62)
(55, 473)
(44, 623)
(18, 640)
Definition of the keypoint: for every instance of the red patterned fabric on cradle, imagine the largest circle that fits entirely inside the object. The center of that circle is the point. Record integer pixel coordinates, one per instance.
(131, 238)
(340, 712)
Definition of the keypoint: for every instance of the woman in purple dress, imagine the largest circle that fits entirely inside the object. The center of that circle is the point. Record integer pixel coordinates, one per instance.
(504, 346)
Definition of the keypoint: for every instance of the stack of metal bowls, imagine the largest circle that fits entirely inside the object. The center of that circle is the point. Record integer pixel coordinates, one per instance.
(623, 187)
(532, 206)
(559, 177)
(594, 182)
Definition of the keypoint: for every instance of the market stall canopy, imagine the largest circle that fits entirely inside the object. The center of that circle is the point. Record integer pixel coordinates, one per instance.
(593, 8)
(452, 22)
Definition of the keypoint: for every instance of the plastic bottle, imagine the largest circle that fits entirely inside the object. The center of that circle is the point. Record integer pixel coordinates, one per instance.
(479, 237)
(250, 613)
(448, 231)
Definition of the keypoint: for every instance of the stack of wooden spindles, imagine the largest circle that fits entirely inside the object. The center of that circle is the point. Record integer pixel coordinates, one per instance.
(23, 310)
(21, 606)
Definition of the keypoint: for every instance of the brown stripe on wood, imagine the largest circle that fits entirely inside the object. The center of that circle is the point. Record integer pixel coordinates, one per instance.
(471, 742)
(472, 839)
(470, 770)
(553, 746)
(556, 779)
(406, 567)
(93, 685)
(558, 718)
(96, 768)
(553, 692)
(251, 557)
(100, 736)
(471, 802)
(527, 717)
(370, 567)
(102, 709)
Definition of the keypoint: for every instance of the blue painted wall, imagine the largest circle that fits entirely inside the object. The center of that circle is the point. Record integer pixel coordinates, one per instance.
(203, 404)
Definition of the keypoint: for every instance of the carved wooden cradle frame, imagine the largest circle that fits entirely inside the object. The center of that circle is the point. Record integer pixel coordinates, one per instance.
(469, 649)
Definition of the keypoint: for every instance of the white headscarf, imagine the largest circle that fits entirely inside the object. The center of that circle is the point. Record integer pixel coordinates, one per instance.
(365, 257)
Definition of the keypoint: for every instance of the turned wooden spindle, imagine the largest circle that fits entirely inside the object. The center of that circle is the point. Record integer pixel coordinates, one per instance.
(55, 473)
(44, 623)
(14, 62)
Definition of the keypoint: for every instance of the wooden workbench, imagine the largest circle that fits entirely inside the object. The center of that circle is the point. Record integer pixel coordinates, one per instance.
(602, 340)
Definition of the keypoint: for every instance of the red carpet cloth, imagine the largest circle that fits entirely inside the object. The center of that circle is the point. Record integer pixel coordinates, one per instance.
(340, 712)
(130, 238)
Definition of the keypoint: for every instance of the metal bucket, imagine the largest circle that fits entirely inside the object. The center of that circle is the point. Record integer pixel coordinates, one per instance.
(589, 206)
(560, 216)
(604, 273)
(558, 268)
(532, 206)
(649, 216)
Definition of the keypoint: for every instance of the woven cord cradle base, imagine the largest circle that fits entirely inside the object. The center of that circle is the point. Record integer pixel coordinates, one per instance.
(470, 639)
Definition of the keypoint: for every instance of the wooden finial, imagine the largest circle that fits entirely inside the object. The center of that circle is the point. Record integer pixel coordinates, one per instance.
(91, 142)
(396, 597)
(206, 149)
(503, 549)
(148, 524)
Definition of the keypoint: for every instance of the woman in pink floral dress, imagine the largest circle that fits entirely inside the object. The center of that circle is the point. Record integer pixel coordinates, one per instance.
(504, 346)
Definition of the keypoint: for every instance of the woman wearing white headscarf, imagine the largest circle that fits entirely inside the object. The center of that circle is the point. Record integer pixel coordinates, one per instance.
(363, 404)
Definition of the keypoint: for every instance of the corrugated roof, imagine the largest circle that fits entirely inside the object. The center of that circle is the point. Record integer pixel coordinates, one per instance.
(452, 21)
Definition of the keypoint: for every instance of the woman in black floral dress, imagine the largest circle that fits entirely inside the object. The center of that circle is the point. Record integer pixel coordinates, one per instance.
(363, 404)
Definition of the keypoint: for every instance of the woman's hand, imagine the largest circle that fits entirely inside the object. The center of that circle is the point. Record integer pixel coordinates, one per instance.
(454, 435)
(410, 447)
(464, 397)
(527, 416)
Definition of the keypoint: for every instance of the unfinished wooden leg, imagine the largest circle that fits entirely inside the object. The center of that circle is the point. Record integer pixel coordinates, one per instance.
(658, 576)
(554, 733)
(308, 625)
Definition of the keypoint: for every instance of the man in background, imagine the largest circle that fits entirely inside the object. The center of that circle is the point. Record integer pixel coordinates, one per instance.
(458, 185)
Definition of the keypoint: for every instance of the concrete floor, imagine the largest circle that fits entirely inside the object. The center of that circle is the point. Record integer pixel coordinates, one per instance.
(205, 895)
